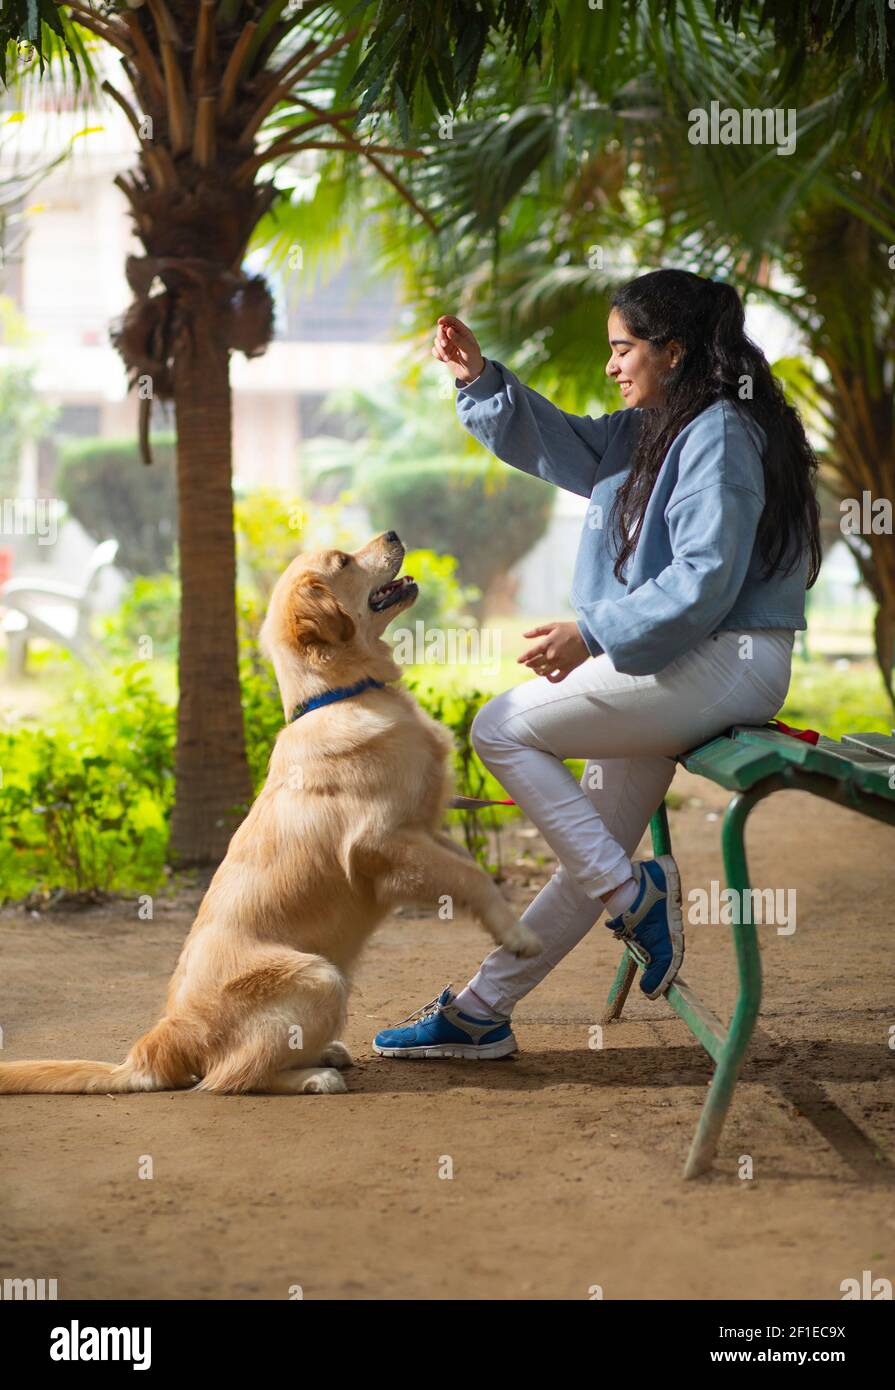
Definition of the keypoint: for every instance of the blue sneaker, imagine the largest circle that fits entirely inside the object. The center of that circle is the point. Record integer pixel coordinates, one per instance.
(655, 922)
(441, 1030)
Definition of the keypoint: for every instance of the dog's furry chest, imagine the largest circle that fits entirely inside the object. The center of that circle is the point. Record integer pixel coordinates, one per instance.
(384, 758)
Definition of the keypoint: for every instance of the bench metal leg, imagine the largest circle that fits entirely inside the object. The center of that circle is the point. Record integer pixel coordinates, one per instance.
(618, 993)
(727, 1046)
(736, 1042)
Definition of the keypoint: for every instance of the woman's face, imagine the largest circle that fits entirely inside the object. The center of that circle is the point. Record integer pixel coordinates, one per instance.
(638, 368)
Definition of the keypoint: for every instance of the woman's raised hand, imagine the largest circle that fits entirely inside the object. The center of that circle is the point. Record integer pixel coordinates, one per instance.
(456, 345)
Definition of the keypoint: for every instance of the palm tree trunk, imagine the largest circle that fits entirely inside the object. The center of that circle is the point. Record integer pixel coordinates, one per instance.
(213, 783)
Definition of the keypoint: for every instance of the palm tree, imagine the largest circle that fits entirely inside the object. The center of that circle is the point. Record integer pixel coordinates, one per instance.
(207, 83)
(221, 94)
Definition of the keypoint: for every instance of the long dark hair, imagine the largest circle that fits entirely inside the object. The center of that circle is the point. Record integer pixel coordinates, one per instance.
(706, 317)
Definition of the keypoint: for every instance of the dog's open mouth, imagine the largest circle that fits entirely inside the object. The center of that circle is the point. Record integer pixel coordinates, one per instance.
(387, 595)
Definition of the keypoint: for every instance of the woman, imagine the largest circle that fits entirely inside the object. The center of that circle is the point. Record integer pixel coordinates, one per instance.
(700, 540)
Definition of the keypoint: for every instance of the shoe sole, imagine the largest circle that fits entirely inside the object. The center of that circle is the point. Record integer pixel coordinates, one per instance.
(485, 1052)
(675, 924)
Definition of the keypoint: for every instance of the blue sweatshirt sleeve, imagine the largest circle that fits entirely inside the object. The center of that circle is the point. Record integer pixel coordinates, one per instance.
(527, 431)
(712, 518)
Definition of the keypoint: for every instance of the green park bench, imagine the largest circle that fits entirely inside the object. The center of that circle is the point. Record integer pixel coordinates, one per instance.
(753, 763)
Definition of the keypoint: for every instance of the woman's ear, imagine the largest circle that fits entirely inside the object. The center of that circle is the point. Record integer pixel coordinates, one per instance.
(675, 352)
(317, 619)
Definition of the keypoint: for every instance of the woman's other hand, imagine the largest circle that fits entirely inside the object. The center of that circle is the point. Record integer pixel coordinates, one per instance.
(456, 345)
(561, 650)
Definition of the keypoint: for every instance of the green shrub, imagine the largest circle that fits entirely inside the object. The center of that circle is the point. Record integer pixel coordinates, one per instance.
(844, 699)
(85, 805)
(488, 517)
(111, 492)
(261, 707)
(442, 598)
(150, 608)
(269, 534)
(456, 710)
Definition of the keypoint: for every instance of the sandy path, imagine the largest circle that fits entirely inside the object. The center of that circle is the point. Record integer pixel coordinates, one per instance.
(566, 1161)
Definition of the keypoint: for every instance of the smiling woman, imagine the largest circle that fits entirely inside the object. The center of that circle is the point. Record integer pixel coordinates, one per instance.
(639, 369)
(700, 540)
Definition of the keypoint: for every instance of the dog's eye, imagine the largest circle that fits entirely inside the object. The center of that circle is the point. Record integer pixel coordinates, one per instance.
(344, 560)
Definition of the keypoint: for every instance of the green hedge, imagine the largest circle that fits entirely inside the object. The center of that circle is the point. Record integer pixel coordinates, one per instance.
(85, 802)
(487, 515)
(111, 492)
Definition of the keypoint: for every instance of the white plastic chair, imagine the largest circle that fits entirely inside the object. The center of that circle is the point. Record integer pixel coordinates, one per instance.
(48, 608)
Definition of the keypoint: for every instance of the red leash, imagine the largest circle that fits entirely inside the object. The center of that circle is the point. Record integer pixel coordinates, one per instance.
(806, 735)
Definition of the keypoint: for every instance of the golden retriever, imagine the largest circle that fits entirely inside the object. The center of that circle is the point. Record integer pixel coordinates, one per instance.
(347, 826)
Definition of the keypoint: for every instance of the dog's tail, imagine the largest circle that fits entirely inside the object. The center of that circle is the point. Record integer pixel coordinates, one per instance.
(155, 1063)
(79, 1078)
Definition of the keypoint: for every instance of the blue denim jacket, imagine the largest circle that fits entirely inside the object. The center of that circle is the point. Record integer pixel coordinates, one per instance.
(696, 568)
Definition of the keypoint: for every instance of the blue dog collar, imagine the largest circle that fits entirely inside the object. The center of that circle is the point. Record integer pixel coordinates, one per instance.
(341, 692)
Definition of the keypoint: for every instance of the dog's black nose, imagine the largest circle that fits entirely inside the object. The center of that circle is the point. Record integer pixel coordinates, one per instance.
(393, 537)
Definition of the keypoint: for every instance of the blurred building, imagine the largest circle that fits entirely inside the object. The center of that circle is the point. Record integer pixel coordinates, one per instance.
(68, 283)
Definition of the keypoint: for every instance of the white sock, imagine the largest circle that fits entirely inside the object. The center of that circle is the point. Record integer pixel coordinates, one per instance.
(621, 898)
(469, 1003)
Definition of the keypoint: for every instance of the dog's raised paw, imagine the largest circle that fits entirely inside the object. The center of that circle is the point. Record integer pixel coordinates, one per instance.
(325, 1082)
(522, 942)
(336, 1055)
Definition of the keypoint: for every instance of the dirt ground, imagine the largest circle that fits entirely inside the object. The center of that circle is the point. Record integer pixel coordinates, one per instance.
(566, 1160)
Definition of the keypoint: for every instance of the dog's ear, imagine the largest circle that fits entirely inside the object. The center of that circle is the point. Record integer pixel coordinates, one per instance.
(316, 617)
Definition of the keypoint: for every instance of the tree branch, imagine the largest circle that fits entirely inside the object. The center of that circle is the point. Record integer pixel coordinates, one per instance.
(126, 108)
(143, 55)
(204, 144)
(179, 114)
(104, 28)
(203, 53)
(277, 89)
(325, 53)
(233, 70)
(377, 164)
(326, 118)
(285, 146)
(164, 23)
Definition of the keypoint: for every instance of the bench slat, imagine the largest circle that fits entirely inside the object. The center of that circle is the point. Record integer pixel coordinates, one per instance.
(883, 745)
(736, 766)
(746, 754)
(867, 770)
(808, 756)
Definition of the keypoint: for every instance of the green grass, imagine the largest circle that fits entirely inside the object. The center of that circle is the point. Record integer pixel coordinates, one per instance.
(838, 699)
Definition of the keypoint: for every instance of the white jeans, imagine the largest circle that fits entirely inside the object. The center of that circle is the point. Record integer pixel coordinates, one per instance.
(630, 729)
